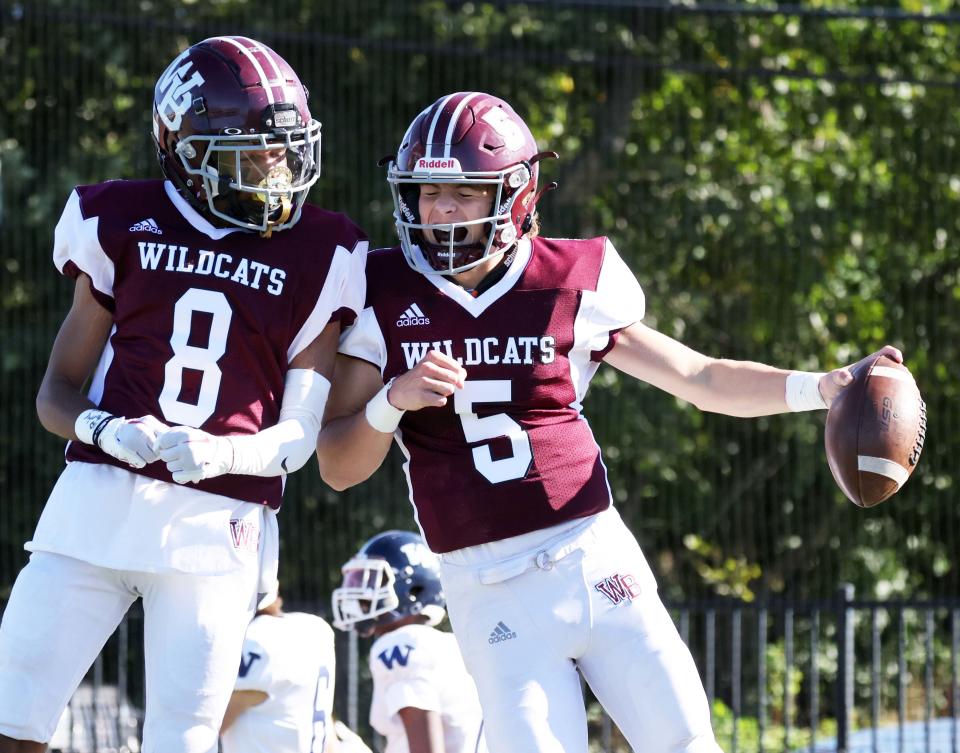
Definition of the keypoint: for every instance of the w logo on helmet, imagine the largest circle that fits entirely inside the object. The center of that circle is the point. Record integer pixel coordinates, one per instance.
(173, 95)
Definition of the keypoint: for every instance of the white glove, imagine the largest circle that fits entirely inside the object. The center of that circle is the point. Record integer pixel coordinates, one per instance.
(128, 439)
(192, 455)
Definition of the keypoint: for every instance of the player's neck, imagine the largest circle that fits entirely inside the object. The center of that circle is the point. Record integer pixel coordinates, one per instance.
(484, 276)
(413, 619)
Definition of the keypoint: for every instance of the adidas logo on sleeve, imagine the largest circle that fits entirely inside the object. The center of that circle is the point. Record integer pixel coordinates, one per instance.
(412, 317)
(501, 633)
(146, 226)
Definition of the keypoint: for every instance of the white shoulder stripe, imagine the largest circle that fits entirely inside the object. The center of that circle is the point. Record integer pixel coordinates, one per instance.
(891, 373)
(433, 124)
(264, 81)
(453, 123)
(883, 467)
(344, 287)
(77, 239)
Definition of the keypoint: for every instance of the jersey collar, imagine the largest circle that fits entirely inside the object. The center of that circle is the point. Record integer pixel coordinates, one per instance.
(197, 220)
(476, 306)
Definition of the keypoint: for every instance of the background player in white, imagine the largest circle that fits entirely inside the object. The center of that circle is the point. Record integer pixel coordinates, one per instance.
(211, 303)
(283, 698)
(475, 349)
(347, 741)
(423, 699)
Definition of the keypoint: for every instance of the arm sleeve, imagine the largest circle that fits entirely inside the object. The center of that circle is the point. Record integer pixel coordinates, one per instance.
(418, 693)
(76, 249)
(286, 446)
(404, 673)
(617, 303)
(364, 340)
(256, 668)
(341, 297)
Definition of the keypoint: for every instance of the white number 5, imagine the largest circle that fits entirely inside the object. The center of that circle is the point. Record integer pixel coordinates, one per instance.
(476, 429)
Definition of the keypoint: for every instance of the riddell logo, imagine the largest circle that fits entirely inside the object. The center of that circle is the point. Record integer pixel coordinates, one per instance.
(445, 164)
(412, 317)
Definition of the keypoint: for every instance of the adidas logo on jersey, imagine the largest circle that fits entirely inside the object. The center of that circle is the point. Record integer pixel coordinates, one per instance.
(146, 226)
(501, 633)
(412, 317)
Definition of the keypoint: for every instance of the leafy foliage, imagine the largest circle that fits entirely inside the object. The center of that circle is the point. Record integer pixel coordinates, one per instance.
(784, 184)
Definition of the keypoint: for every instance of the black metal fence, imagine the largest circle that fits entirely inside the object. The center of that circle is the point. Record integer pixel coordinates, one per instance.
(783, 675)
(843, 675)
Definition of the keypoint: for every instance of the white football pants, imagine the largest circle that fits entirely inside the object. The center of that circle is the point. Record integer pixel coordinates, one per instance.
(530, 610)
(62, 611)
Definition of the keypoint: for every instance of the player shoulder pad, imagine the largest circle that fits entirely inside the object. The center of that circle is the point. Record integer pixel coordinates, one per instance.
(401, 651)
(336, 227)
(566, 263)
(387, 260)
(254, 659)
(317, 628)
(389, 275)
(120, 198)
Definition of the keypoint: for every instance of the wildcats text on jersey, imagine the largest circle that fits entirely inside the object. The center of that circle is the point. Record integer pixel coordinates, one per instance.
(171, 257)
(472, 351)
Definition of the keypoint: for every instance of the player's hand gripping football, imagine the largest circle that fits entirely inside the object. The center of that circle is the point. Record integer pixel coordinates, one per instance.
(833, 382)
(192, 455)
(428, 384)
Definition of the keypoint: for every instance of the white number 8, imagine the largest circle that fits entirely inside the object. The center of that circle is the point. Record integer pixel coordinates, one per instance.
(187, 356)
(476, 429)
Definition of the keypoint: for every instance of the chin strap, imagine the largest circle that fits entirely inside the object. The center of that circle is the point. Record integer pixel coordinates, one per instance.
(431, 249)
(286, 206)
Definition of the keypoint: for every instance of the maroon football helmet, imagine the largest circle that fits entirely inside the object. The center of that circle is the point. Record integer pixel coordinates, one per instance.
(234, 133)
(466, 137)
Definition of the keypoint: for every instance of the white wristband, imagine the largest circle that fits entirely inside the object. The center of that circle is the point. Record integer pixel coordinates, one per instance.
(90, 424)
(802, 391)
(380, 414)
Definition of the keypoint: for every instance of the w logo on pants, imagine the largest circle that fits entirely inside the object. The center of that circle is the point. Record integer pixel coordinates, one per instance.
(245, 535)
(618, 588)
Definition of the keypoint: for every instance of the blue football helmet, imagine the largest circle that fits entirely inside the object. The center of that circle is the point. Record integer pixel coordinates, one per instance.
(394, 575)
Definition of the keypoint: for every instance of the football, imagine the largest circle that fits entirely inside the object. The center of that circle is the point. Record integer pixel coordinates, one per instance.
(875, 431)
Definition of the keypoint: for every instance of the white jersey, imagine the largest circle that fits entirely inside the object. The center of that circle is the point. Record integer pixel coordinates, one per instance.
(420, 667)
(290, 658)
(348, 741)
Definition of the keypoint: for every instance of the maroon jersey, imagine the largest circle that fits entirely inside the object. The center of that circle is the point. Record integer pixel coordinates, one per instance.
(206, 320)
(511, 452)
